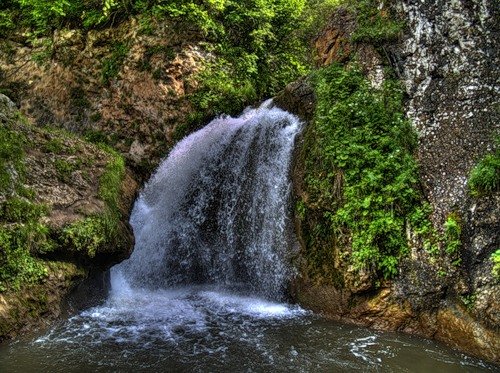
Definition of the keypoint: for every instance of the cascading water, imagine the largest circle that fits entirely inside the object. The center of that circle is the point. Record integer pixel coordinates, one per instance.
(204, 287)
(216, 210)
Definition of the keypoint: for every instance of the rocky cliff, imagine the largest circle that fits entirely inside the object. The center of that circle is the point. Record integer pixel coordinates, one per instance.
(446, 56)
(121, 85)
(64, 206)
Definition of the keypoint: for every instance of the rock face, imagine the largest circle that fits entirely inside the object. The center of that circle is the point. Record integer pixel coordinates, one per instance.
(447, 60)
(450, 60)
(63, 176)
(450, 70)
(122, 84)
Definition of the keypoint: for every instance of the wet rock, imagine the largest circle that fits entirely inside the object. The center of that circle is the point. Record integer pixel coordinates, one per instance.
(297, 98)
(333, 44)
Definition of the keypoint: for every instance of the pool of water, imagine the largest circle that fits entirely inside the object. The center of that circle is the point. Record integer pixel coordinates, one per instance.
(204, 329)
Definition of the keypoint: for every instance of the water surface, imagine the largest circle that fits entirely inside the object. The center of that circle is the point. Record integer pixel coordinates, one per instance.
(205, 329)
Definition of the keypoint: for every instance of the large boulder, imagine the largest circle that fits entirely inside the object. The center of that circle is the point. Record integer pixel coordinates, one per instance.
(64, 208)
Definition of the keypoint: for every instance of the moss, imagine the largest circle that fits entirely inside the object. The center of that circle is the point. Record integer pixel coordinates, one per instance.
(66, 168)
(25, 239)
(111, 179)
(111, 65)
(21, 210)
(54, 146)
(99, 232)
(12, 149)
(165, 52)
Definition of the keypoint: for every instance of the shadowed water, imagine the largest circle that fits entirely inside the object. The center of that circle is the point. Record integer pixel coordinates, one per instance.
(205, 288)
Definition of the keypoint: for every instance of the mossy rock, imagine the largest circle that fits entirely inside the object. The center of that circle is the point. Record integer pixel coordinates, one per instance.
(64, 208)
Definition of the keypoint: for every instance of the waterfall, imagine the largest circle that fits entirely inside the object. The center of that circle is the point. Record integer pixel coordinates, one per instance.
(216, 211)
(204, 287)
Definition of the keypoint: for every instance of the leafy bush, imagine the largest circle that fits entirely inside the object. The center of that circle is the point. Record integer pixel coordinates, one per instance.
(485, 177)
(375, 24)
(22, 237)
(17, 265)
(258, 49)
(452, 233)
(360, 134)
(88, 235)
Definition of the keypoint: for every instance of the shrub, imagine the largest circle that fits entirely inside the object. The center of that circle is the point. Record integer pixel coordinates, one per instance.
(361, 134)
(485, 177)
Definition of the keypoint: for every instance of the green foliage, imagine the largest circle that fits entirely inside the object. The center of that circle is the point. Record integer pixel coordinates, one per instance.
(361, 135)
(485, 177)
(21, 236)
(21, 210)
(44, 13)
(21, 233)
(43, 16)
(452, 234)
(99, 231)
(164, 51)
(111, 179)
(111, 66)
(24, 238)
(423, 228)
(315, 16)
(43, 51)
(258, 47)
(7, 23)
(374, 24)
(222, 92)
(495, 258)
(11, 154)
(65, 168)
(17, 266)
(88, 235)
(54, 146)
(100, 137)
(469, 301)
